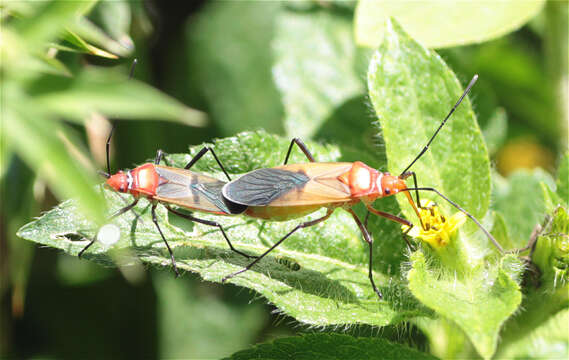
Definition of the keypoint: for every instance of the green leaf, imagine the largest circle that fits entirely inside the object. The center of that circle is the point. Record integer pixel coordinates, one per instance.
(550, 198)
(521, 201)
(114, 18)
(496, 130)
(479, 304)
(439, 24)
(89, 32)
(76, 43)
(552, 251)
(546, 284)
(562, 181)
(330, 286)
(232, 68)
(412, 90)
(49, 21)
(34, 136)
(190, 316)
(330, 346)
(548, 341)
(96, 90)
(314, 67)
(446, 339)
(500, 231)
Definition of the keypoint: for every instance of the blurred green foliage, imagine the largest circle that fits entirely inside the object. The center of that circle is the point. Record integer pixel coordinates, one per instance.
(293, 69)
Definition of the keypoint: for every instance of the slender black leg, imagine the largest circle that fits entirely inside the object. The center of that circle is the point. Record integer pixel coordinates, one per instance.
(155, 220)
(406, 238)
(86, 247)
(300, 226)
(369, 240)
(302, 146)
(210, 223)
(118, 213)
(159, 157)
(202, 153)
(108, 148)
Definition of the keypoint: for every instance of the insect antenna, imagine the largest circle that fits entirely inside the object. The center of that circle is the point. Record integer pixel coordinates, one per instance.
(108, 144)
(474, 78)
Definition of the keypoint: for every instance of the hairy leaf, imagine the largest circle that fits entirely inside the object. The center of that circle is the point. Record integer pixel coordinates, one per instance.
(330, 347)
(548, 341)
(412, 90)
(478, 304)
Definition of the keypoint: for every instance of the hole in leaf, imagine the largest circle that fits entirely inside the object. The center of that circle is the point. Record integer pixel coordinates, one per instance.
(71, 237)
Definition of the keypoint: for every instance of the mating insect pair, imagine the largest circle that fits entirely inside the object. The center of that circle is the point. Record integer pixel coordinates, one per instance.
(279, 193)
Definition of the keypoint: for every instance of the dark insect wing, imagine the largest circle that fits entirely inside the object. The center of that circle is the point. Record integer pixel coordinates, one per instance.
(290, 185)
(261, 187)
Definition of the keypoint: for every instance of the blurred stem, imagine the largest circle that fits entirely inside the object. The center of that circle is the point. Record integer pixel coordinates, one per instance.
(556, 49)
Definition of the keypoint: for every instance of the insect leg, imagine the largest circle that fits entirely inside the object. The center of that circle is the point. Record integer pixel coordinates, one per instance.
(159, 157)
(155, 220)
(118, 213)
(108, 148)
(300, 226)
(210, 223)
(302, 146)
(412, 173)
(369, 241)
(200, 154)
(396, 219)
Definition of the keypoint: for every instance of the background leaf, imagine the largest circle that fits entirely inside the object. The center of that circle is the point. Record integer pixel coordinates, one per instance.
(548, 341)
(329, 346)
(311, 90)
(95, 90)
(562, 181)
(478, 305)
(26, 135)
(520, 200)
(233, 67)
(439, 24)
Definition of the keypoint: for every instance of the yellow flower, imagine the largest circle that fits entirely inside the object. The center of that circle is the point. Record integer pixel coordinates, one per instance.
(438, 229)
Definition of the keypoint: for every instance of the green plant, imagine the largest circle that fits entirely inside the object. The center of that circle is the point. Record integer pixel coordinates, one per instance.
(459, 296)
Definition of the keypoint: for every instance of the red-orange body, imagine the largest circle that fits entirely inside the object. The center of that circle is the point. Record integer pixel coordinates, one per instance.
(171, 185)
(291, 191)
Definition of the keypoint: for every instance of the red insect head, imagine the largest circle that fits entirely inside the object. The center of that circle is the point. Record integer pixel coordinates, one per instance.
(118, 181)
(391, 184)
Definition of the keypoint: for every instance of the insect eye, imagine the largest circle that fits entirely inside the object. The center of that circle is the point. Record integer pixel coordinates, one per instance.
(387, 191)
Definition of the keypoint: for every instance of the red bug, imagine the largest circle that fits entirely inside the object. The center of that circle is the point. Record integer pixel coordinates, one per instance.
(290, 191)
(168, 185)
